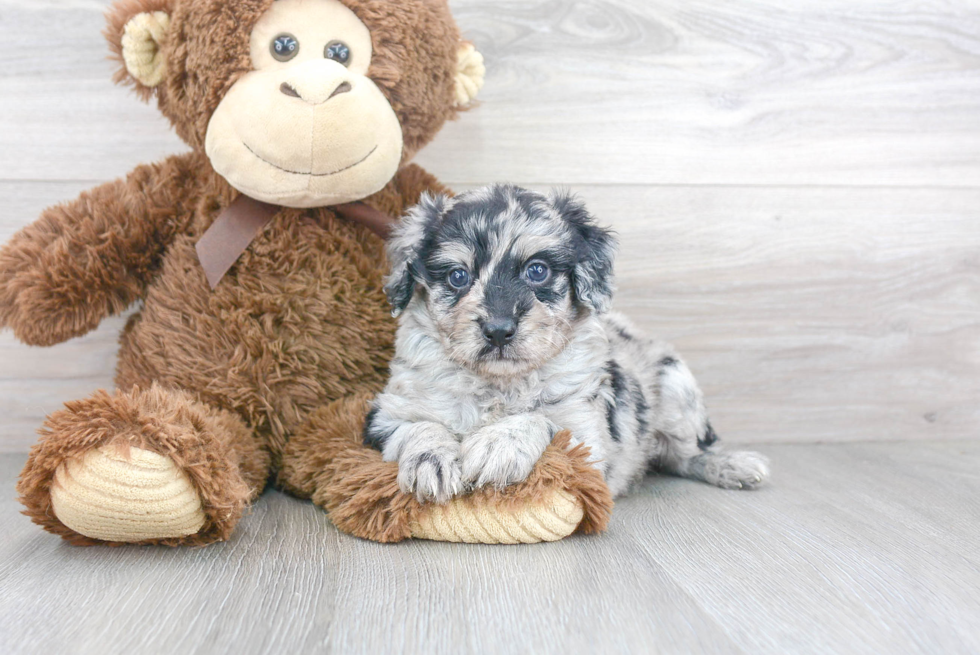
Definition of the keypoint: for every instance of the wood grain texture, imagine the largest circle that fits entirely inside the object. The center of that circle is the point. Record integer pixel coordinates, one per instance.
(747, 92)
(855, 548)
(592, 91)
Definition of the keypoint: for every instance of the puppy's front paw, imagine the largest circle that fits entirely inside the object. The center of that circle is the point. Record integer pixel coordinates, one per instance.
(503, 453)
(430, 476)
(428, 466)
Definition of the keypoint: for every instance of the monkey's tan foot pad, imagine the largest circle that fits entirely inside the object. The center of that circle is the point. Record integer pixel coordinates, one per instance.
(114, 495)
(553, 517)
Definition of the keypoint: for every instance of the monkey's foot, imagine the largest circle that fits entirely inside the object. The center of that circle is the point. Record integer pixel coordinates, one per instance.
(150, 467)
(112, 495)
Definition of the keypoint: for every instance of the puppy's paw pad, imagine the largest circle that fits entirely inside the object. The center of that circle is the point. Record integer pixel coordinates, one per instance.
(430, 476)
(738, 470)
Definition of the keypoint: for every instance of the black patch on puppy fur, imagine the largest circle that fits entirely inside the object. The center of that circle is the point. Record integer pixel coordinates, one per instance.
(667, 361)
(553, 291)
(408, 258)
(642, 409)
(611, 420)
(506, 296)
(430, 458)
(709, 438)
(616, 377)
(399, 290)
(373, 435)
(618, 384)
(595, 248)
(628, 396)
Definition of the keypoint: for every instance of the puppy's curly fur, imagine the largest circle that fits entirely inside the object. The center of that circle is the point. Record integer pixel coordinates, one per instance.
(505, 338)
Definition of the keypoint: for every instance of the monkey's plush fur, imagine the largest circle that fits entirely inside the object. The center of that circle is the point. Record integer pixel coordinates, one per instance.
(505, 339)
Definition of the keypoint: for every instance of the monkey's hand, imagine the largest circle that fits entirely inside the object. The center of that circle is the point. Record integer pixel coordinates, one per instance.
(92, 257)
(51, 289)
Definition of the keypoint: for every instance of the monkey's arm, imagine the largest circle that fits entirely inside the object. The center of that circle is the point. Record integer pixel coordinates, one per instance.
(93, 256)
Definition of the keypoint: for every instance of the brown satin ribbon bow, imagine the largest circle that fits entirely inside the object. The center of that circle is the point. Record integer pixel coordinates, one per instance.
(224, 242)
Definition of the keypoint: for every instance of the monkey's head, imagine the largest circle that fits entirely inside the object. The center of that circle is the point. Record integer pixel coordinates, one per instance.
(302, 103)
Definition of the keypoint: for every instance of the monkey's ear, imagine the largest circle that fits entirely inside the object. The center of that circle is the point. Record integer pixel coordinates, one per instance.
(137, 33)
(470, 72)
(592, 277)
(406, 248)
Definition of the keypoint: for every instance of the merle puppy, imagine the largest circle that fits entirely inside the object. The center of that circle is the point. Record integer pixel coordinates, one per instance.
(505, 338)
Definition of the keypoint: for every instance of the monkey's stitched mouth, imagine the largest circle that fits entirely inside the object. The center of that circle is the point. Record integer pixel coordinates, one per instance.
(311, 173)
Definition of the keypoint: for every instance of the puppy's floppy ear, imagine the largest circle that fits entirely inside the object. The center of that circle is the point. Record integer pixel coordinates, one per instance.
(592, 277)
(406, 248)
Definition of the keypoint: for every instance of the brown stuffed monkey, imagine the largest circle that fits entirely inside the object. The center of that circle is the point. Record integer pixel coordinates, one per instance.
(263, 329)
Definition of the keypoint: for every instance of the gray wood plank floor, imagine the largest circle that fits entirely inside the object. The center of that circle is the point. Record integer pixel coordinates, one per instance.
(854, 548)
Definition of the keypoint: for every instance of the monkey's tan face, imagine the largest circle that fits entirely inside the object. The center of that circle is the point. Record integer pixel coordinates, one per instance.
(306, 127)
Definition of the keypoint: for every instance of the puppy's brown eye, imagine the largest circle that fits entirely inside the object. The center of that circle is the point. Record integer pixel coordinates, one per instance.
(284, 47)
(459, 278)
(338, 52)
(537, 272)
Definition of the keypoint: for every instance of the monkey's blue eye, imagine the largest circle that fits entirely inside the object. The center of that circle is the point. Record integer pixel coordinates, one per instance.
(458, 278)
(537, 272)
(284, 47)
(338, 52)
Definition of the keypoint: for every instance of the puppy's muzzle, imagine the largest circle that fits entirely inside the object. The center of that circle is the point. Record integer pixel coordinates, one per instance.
(499, 331)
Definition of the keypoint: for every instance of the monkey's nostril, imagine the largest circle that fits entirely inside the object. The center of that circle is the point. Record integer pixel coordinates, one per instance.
(343, 88)
(288, 90)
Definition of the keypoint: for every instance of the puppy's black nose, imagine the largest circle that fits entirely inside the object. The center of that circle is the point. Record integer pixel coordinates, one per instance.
(500, 331)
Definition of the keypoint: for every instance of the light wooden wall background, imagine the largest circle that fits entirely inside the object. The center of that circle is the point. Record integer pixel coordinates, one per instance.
(796, 187)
